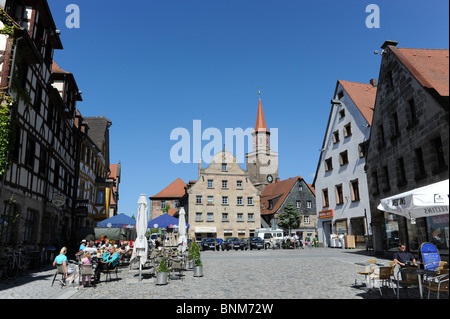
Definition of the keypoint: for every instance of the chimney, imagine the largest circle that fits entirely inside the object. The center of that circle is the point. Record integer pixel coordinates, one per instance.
(277, 180)
(389, 42)
(373, 82)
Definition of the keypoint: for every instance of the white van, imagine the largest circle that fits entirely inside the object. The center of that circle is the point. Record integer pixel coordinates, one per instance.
(267, 233)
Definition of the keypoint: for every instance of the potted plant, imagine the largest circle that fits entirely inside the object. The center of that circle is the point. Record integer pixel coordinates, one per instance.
(198, 266)
(191, 255)
(162, 273)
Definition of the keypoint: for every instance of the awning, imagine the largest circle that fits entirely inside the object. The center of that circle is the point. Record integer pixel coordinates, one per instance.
(205, 229)
(431, 200)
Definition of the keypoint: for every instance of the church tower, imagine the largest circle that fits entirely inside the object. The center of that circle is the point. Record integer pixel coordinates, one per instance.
(262, 162)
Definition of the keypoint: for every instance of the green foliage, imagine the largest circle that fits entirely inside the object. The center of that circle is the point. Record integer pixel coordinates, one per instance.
(290, 217)
(163, 266)
(194, 253)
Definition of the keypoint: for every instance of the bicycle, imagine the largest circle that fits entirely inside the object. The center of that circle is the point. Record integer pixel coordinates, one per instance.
(16, 262)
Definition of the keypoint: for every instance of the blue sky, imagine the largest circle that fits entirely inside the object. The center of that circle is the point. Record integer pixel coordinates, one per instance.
(151, 66)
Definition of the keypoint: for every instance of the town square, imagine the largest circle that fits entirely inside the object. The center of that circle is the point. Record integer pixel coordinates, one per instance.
(231, 152)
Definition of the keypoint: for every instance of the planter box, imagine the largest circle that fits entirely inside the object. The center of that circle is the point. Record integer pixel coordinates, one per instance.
(198, 271)
(162, 278)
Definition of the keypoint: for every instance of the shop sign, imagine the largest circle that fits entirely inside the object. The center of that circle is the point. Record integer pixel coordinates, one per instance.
(59, 200)
(326, 213)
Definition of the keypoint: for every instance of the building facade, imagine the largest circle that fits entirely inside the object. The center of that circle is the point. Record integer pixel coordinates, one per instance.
(342, 196)
(169, 200)
(223, 202)
(293, 190)
(409, 143)
(39, 175)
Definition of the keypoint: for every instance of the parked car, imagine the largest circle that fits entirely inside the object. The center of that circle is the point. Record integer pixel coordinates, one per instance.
(232, 243)
(256, 242)
(245, 242)
(209, 244)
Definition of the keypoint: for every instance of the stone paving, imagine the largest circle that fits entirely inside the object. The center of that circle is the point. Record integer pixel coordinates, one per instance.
(316, 273)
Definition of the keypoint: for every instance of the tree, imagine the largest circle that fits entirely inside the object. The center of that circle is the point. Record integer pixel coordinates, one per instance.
(289, 218)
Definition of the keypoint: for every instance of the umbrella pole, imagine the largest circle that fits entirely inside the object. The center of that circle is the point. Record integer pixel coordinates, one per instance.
(140, 269)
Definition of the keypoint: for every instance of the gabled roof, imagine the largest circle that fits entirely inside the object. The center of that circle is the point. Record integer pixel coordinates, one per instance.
(277, 193)
(175, 190)
(429, 66)
(363, 95)
(97, 129)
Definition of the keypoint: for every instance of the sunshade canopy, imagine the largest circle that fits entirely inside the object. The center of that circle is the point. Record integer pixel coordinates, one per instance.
(118, 221)
(164, 221)
(425, 201)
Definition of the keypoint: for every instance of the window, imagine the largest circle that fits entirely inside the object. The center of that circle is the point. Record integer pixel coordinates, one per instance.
(328, 164)
(375, 182)
(198, 199)
(163, 204)
(240, 201)
(401, 174)
(29, 225)
(343, 158)
(341, 113)
(209, 217)
(240, 217)
(100, 197)
(7, 219)
(224, 167)
(251, 217)
(348, 130)
(390, 81)
(363, 148)
(198, 217)
(354, 187)
(56, 175)
(30, 152)
(239, 184)
(306, 220)
(339, 195)
(210, 200)
(225, 217)
(308, 204)
(395, 126)
(42, 161)
(38, 99)
(412, 112)
(335, 137)
(210, 183)
(420, 164)
(224, 200)
(382, 141)
(325, 201)
(386, 179)
(439, 150)
(298, 204)
(250, 201)
(224, 184)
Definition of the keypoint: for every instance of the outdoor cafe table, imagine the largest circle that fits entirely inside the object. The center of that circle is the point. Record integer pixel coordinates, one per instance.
(366, 264)
(420, 273)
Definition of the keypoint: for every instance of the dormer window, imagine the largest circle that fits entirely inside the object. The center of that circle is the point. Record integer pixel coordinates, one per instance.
(224, 167)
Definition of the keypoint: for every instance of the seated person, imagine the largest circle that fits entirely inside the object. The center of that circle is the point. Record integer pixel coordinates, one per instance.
(109, 261)
(402, 257)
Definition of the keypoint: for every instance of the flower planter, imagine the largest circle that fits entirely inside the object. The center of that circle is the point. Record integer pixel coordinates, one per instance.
(162, 278)
(198, 271)
(190, 264)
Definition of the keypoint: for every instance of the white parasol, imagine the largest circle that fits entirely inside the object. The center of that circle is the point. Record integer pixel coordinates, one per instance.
(425, 201)
(182, 237)
(140, 249)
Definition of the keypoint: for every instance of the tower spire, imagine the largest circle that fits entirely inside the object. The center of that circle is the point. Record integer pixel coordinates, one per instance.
(260, 120)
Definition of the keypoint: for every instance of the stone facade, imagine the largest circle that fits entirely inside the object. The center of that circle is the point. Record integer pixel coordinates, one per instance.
(223, 201)
(409, 143)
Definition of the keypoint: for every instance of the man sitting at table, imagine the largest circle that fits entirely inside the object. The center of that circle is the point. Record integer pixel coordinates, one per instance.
(402, 257)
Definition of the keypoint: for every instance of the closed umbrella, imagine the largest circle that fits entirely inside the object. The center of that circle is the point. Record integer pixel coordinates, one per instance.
(140, 249)
(182, 238)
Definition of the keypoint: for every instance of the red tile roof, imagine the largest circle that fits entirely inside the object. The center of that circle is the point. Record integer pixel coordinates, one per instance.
(175, 190)
(57, 69)
(363, 95)
(429, 66)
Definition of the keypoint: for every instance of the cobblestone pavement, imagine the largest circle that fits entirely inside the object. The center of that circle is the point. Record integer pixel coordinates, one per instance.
(316, 273)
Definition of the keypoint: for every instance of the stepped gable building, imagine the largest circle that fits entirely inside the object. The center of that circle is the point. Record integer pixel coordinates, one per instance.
(342, 194)
(409, 143)
(223, 202)
(169, 199)
(262, 162)
(292, 190)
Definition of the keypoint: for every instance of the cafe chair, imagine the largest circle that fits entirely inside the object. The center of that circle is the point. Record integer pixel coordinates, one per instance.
(108, 272)
(86, 270)
(363, 270)
(406, 280)
(438, 284)
(60, 271)
(383, 276)
(176, 266)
